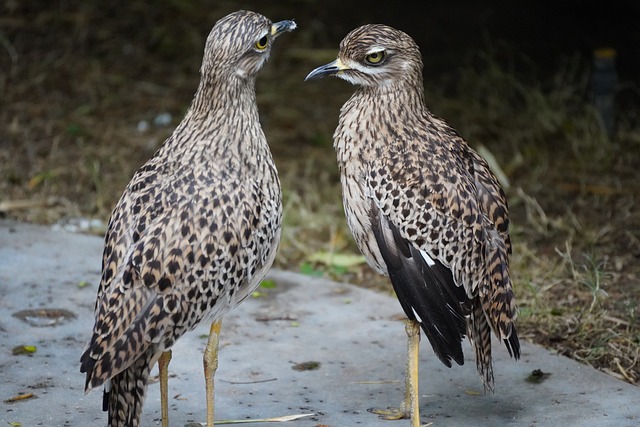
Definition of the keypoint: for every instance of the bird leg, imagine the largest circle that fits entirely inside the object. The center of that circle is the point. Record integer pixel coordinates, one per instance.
(409, 408)
(163, 367)
(411, 396)
(210, 366)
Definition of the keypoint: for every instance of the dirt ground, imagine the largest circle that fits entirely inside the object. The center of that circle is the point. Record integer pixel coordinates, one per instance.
(89, 93)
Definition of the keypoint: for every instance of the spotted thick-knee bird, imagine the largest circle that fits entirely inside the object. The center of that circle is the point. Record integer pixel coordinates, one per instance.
(424, 208)
(196, 229)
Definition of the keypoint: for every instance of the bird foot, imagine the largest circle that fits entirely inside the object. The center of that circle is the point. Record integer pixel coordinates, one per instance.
(390, 413)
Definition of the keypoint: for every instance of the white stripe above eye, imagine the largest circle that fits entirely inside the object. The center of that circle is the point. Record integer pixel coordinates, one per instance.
(375, 49)
(427, 258)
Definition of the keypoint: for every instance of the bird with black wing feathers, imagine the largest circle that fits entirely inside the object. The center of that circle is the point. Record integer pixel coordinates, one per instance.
(195, 231)
(423, 207)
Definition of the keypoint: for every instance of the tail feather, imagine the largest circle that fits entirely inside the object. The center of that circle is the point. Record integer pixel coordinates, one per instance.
(479, 333)
(109, 354)
(124, 394)
(513, 344)
(499, 303)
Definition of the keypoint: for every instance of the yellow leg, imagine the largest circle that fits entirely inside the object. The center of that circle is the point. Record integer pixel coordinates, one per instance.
(163, 367)
(210, 366)
(409, 408)
(411, 402)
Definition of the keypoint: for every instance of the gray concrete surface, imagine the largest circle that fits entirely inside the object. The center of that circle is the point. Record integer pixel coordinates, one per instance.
(352, 333)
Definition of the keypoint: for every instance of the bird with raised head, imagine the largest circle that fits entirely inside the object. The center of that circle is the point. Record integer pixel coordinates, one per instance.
(194, 232)
(423, 207)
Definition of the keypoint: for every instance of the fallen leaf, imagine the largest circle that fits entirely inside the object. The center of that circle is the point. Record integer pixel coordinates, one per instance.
(336, 259)
(19, 397)
(537, 376)
(306, 366)
(23, 349)
(282, 419)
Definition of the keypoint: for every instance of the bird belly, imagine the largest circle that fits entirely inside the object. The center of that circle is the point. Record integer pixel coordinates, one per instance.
(227, 289)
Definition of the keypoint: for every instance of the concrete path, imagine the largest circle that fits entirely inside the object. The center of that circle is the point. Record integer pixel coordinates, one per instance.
(351, 336)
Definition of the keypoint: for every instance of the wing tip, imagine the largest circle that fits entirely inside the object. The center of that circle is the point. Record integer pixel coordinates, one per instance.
(512, 342)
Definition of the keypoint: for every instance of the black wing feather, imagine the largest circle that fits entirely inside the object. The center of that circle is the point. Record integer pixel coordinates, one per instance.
(513, 344)
(423, 290)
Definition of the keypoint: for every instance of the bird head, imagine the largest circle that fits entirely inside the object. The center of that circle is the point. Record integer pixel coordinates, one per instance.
(241, 42)
(374, 55)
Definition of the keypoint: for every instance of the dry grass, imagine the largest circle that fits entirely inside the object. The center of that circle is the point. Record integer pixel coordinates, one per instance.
(76, 87)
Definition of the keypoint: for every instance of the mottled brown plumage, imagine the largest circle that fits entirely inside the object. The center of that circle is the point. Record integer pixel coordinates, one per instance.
(423, 207)
(197, 227)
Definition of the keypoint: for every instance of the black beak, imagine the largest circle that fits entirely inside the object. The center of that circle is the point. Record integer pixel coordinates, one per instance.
(330, 69)
(278, 28)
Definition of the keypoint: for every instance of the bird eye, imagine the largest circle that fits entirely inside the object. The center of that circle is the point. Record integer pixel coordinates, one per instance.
(375, 58)
(262, 43)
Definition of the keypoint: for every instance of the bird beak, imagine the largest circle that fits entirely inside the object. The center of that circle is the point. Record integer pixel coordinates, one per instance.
(330, 69)
(278, 28)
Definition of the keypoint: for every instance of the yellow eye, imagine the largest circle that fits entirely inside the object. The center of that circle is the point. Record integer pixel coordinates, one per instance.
(375, 57)
(262, 43)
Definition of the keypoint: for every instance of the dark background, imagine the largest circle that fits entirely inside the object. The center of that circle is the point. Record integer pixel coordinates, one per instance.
(446, 30)
(541, 30)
